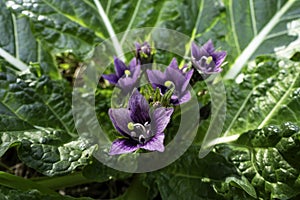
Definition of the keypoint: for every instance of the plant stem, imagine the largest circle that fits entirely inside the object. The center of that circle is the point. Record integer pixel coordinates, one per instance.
(136, 190)
(20, 183)
(63, 181)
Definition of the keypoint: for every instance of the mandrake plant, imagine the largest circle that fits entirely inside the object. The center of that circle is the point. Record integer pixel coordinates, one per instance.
(45, 46)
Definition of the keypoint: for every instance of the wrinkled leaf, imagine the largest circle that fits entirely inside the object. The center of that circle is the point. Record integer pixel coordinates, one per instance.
(54, 29)
(262, 163)
(269, 159)
(190, 178)
(7, 194)
(48, 151)
(18, 40)
(27, 102)
(36, 115)
(101, 173)
(268, 92)
(258, 27)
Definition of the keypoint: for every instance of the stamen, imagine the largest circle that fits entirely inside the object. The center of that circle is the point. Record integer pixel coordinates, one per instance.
(133, 134)
(169, 84)
(139, 132)
(209, 59)
(130, 126)
(184, 70)
(142, 139)
(138, 125)
(127, 73)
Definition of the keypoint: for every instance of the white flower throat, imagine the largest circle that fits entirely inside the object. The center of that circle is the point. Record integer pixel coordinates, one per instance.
(140, 132)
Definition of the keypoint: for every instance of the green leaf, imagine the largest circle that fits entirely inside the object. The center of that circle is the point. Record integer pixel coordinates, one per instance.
(258, 27)
(268, 158)
(203, 19)
(19, 46)
(262, 163)
(54, 157)
(190, 178)
(101, 173)
(267, 93)
(31, 102)
(48, 151)
(36, 115)
(16, 194)
(55, 29)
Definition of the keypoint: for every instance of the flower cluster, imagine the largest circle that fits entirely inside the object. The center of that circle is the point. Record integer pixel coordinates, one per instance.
(143, 122)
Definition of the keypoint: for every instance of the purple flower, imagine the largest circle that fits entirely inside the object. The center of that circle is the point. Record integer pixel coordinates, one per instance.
(141, 126)
(144, 52)
(172, 78)
(125, 77)
(205, 59)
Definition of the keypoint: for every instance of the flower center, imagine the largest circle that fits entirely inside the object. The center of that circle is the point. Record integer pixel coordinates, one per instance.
(207, 60)
(127, 73)
(169, 84)
(139, 132)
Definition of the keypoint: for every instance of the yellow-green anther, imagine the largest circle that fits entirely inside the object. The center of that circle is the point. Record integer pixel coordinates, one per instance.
(143, 55)
(169, 84)
(130, 126)
(127, 72)
(209, 59)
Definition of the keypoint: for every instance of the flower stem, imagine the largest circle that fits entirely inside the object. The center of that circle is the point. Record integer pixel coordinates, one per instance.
(136, 190)
(62, 181)
(23, 184)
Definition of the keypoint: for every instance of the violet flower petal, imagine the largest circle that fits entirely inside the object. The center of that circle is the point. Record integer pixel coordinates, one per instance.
(112, 78)
(156, 78)
(120, 67)
(174, 64)
(139, 108)
(127, 84)
(219, 57)
(120, 118)
(195, 51)
(188, 77)
(209, 47)
(155, 144)
(177, 78)
(121, 146)
(133, 64)
(160, 118)
(184, 98)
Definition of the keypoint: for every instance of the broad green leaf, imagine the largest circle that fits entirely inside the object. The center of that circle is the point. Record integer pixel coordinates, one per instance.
(35, 102)
(36, 115)
(257, 27)
(190, 178)
(262, 163)
(194, 18)
(54, 29)
(268, 158)
(101, 173)
(267, 93)
(19, 46)
(55, 156)
(48, 151)
(16, 194)
(290, 50)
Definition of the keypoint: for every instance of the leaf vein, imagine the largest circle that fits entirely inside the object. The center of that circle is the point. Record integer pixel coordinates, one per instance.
(279, 103)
